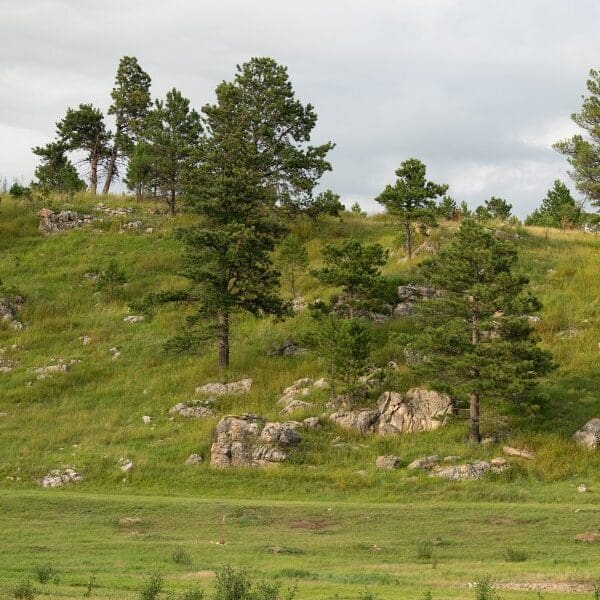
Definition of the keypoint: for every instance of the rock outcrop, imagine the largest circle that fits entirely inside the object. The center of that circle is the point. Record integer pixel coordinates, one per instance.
(222, 389)
(60, 477)
(60, 366)
(470, 471)
(409, 295)
(589, 434)
(387, 462)
(250, 441)
(194, 459)
(417, 410)
(193, 410)
(52, 222)
(425, 463)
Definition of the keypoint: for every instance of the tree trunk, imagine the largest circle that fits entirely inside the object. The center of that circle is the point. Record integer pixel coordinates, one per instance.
(94, 174)
(110, 170)
(408, 240)
(474, 433)
(223, 319)
(171, 202)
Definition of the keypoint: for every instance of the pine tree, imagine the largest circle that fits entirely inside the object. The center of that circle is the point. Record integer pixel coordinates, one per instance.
(447, 208)
(558, 209)
(474, 335)
(56, 173)
(252, 163)
(356, 268)
(326, 203)
(293, 258)
(171, 134)
(498, 208)
(131, 101)
(412, 199)
(83, 129)
(140, 176)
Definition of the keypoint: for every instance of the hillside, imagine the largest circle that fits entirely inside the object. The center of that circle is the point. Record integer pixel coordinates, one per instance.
(91, 416)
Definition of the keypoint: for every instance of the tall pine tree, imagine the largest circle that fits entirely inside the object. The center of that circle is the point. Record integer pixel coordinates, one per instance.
(474, 337)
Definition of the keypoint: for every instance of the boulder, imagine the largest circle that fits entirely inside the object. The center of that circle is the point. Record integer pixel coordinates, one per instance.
(194, 459)
(126, 464)
(518, 452)
(193, 410)
(295, 405)
(311, 423)
(387, 462)
(60, 477)
(10, 306)
(60, 366)
(363, 421)
(133, 319)
(468, 471)
(582, 488)
(52, 222)
(417, 410)
(250, 441)
(589, 434)
(129, 521)
(221, 389)
(425, 463)
(287, 348)
(499, 465)
(300, 389)
(410, 294)
(147, 419)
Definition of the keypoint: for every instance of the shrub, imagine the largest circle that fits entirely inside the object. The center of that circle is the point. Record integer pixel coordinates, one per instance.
(180, 556)
(111, 279)
(45, 573)
(484, 590)
(89, 588)
(24, 591)
(152, 588)
(367, 594)
(424, 549)
(515, 555)
(194, 593)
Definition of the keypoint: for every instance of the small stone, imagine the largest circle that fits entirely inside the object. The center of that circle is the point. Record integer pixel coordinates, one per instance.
(3, 414)
(129, 521)
(428, 462)
(499, 465)
(451, 458)
(588, 537)
(311, 423)
(582, 488)
(518, 452)
(220, 389)
(193, 410)
(85, 340)
(133, 319)
(126, 465)
(194, 459)
(147, 419)
(295, 405)
(387, 462)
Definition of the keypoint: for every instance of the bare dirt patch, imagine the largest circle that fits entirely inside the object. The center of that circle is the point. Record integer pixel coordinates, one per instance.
(545, 586)
(310, 524)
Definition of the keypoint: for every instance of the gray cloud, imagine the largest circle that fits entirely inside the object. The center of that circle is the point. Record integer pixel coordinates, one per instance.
(478, 89)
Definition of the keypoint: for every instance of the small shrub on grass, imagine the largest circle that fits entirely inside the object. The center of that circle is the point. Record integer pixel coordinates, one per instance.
(45, 573)
(194, 593)
(367, 594)
(425, 549)
(596, 591)
(180, 556)
(24, 591)
(484, 590)
(89, 588)
(152, 588)
(515, 555)
(111, 280)
(427, 595)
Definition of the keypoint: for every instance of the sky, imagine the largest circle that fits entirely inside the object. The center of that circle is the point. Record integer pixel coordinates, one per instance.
(477, 89)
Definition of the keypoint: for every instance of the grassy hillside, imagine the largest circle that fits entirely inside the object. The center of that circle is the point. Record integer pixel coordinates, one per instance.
(339, 524)
(91, 416)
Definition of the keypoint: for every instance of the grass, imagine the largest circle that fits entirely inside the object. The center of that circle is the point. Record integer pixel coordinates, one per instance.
(91, 416)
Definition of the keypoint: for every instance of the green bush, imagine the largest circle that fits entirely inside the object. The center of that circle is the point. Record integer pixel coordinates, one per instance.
(515, 555)
(180, 556)
(24, 591)
(152, 588)
(45, 573)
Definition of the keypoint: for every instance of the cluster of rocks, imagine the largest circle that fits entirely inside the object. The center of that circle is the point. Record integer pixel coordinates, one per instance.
(60, 366)
(589, 434)
(53, 222)
(251, 441)
(287, 348)
(409, 295)
(417, 410)
(223, 389)
(120, 211)
(60, 477)
(196, 409)
(133, 319)
(10, 305)
(290, 398)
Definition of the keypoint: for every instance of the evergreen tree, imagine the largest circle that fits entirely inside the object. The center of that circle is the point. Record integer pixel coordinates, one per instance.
(412, 199)
(558, 209)
(131, 101)
(141, 170)
(252, 162)
(475, 336)
(357, 210)
(56, 173)
(83, 129)
(171, 135)
(448, 209)
(498, 208)
(356, 268)
(583, 151)
(326, 203)
(293, 258)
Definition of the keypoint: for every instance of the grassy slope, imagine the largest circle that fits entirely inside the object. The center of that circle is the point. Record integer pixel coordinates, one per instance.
(91, 416)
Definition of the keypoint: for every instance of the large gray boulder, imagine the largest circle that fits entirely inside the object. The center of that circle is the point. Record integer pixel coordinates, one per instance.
(409, 295)
(222, 389)
(589, 434)
(60, 477)
(193, 410)
(471, 471)
(417, 410)
(250, 441)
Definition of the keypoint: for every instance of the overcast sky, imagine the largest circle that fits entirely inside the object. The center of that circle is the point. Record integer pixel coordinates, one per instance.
(477, 89)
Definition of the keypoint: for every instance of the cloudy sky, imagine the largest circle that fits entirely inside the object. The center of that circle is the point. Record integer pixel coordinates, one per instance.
(477, 89)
